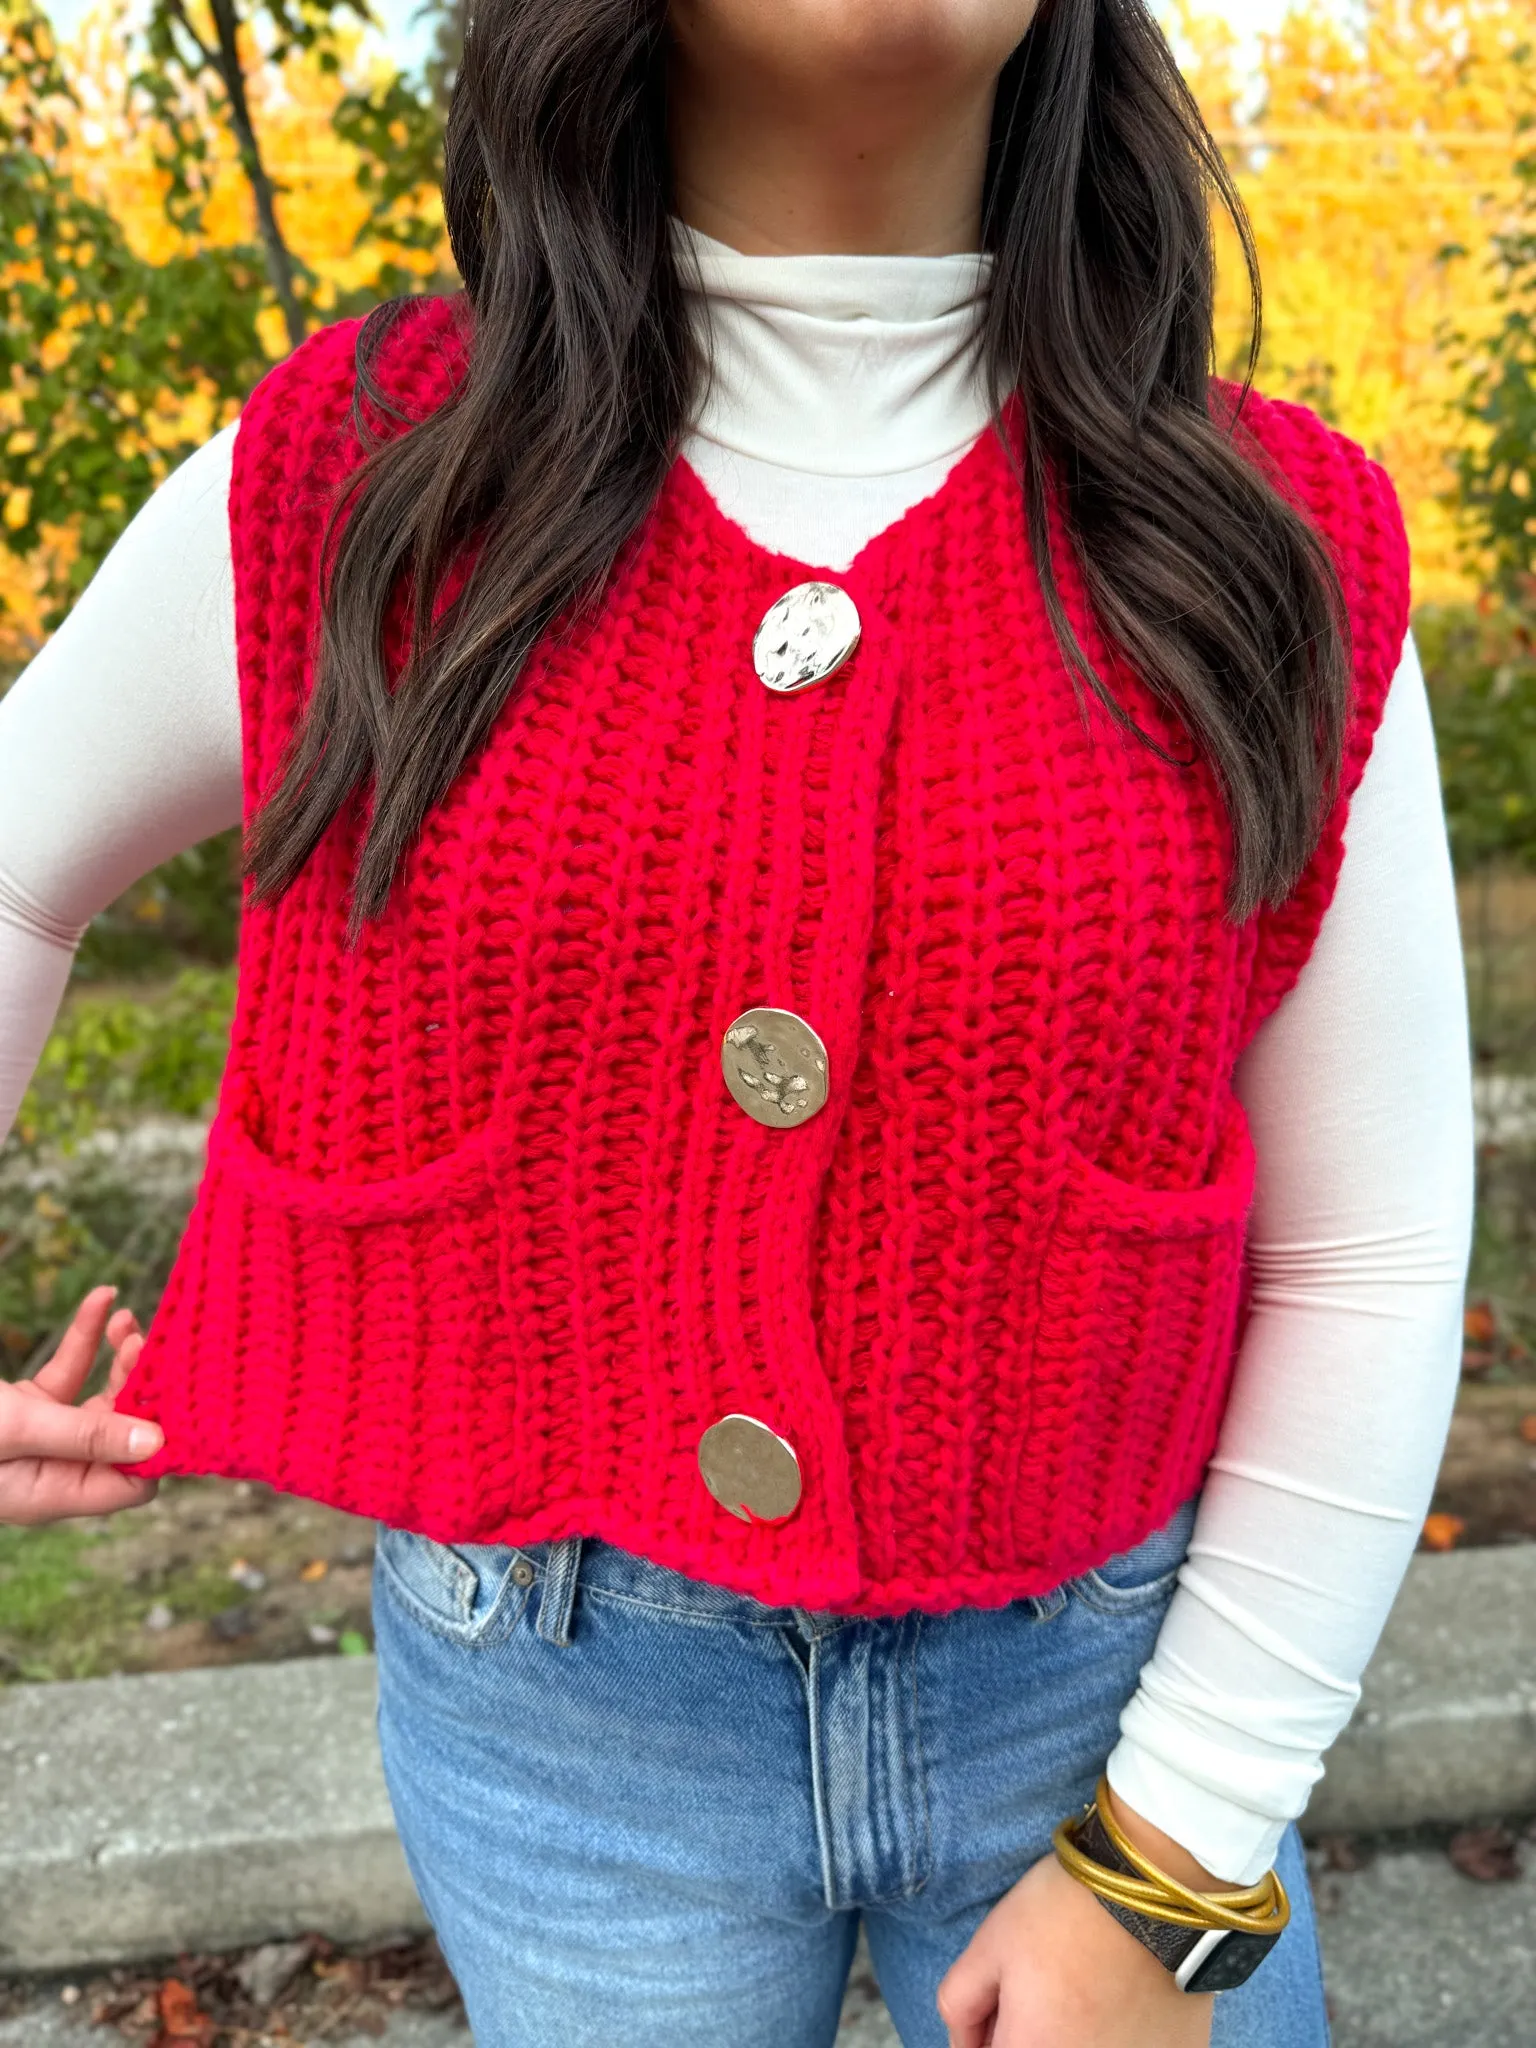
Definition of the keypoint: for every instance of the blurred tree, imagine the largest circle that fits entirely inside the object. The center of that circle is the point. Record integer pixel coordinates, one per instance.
(139, 265)
(1483, 660)
(137, 294)
(396, 127)
(109, 364)
(1482, 681)
(1374, 147)
(196, 59)
(1496, 466)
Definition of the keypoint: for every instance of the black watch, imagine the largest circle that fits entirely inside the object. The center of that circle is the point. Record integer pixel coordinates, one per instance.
(1199, 1959)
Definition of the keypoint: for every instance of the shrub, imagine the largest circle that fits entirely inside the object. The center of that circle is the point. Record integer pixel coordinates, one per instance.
(1480, 666)
(114, 1058)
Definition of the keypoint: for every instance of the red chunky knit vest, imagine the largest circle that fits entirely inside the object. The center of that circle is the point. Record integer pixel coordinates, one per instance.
(485, 1245)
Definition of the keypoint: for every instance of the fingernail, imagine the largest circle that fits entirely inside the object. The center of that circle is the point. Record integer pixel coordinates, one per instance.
(143, 1438)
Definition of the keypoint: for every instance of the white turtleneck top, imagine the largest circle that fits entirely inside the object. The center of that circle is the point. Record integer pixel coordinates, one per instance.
(841, 396)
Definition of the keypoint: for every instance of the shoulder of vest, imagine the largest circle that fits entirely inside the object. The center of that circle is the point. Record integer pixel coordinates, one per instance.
(1351, 503)
(307, 399)
(1347, 495)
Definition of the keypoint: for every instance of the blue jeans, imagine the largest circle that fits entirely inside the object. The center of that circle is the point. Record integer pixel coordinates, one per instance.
(643, 1812)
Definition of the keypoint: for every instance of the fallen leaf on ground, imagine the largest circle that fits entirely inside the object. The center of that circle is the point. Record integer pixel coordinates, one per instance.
(1478, 1325)
(1341, 1852)
(178, 2004)
(352, 1971)
(209, 2003)
(1528, 1428)
(1486, 1854)
(1443, 1532)
(234, 1624)
(183, 2023)
(315, 1569)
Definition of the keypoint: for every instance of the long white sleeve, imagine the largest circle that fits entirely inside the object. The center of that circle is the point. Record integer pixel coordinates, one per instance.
(121, 745)
(1359, 1095)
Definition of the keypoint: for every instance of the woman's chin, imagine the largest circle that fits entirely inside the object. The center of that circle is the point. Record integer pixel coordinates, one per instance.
(852, 39)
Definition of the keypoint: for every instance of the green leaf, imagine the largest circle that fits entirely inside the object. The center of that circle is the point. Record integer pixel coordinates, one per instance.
(79, 450)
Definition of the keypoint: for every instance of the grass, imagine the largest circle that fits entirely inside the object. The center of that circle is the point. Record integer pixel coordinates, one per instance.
(242, 1574)
(117, 1056)
(60, 1618)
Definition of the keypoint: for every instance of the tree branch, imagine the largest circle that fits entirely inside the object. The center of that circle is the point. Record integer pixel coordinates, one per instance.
(279, 259)
(206, 58)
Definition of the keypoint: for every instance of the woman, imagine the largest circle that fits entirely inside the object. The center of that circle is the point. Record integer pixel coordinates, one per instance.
(796, 752)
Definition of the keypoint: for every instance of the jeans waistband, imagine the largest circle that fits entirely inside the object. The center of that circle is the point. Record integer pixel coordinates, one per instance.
(561, 1566)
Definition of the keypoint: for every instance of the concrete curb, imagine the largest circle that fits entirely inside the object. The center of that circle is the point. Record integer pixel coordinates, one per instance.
(1446, 1726)
(209, 1809)
(194, 1810)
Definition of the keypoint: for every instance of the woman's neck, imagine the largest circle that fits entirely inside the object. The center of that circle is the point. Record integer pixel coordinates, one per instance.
(834, 198)
(783, 142)
(837, 365)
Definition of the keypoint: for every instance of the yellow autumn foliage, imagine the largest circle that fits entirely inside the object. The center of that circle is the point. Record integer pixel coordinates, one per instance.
(319, 207)
(1375, 161)
(1376, 169)
(22, 581)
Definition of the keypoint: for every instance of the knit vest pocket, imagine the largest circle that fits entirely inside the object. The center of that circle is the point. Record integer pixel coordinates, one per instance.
(462, 1176)
(303, 1315)
(1139, 1298)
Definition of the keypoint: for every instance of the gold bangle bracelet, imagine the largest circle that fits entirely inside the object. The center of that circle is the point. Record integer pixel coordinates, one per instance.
(1262, 1908)
(1259, 1897)
(1148, 1899)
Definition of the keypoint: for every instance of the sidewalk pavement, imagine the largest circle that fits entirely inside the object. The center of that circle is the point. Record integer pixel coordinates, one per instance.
(1416, 1956)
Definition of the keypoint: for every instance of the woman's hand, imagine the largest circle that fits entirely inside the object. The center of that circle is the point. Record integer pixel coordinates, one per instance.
(57, 1458)
(1049, 1968)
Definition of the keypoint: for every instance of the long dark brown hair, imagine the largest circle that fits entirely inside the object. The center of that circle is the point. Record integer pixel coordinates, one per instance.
(583, 370)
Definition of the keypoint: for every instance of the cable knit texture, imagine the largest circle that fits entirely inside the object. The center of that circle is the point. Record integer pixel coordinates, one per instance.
(484, 1244)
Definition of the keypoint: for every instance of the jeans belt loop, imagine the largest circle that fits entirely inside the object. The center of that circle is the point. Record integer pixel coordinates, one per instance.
(557, 1596)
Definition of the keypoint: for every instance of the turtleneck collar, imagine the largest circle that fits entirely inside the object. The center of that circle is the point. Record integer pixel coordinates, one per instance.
(838, 366)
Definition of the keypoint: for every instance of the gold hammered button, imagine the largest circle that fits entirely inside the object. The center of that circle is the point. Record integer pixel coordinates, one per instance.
(751, 1472)
(805, 637)
(775, 1067)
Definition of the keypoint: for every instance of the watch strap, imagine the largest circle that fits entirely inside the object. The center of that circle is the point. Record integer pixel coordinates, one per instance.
(1198, 1959)
(1170, 1944)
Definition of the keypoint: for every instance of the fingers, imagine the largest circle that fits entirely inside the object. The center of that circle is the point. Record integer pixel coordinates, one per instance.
(120, 1324)
(42, 1491)
(92, 1435)
(125, 1357)
(967, 2001)
(67, 1371)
